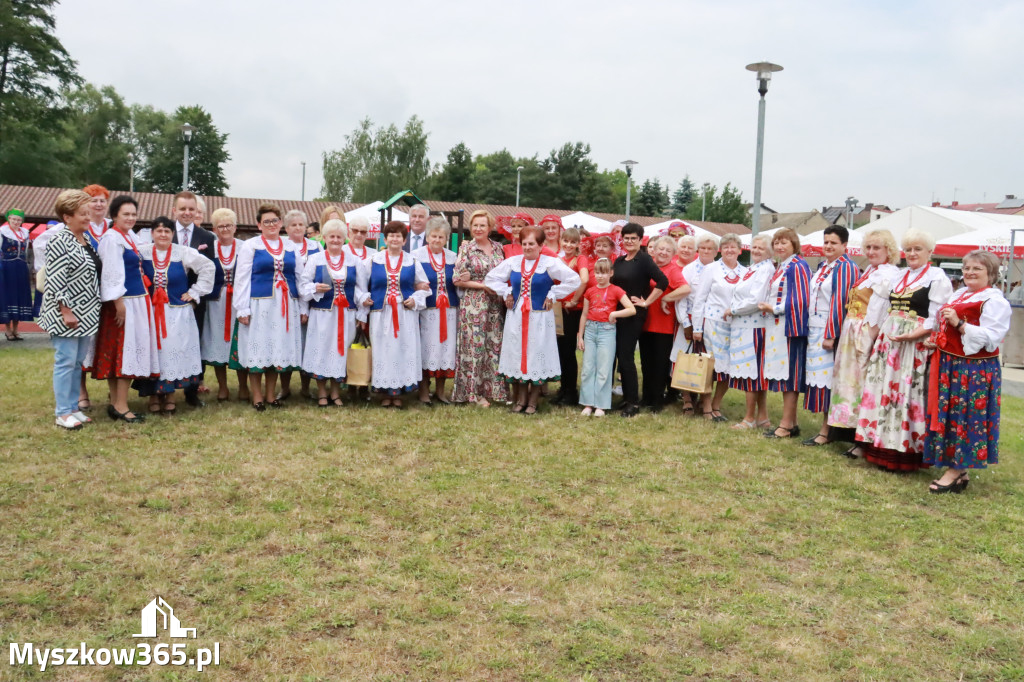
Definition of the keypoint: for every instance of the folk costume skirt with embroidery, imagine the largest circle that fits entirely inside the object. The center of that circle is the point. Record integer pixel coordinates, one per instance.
(128, 351)
(716, 339)
(396, 361)
(968, 414)
(892, 422)
(541, 348)
(320, 357)
(784, 358)
(852, 353)
(267, 342)
(17, 302)
(217, 351)
(817, 372)
(181, 365)
(746, 358)
(438, 358)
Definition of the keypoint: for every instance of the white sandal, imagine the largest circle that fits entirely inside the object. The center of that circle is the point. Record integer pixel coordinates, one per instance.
(744, 426)
(69, 423)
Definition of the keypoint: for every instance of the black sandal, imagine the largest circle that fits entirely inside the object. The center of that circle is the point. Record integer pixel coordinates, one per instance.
(717, 416)
(791, 432)
(518, 407)
(813, 442)
(323, 401)
(337, 402)
(852, 452)
(259, 407)
(957, 485)
(530, 409)
(688, 410)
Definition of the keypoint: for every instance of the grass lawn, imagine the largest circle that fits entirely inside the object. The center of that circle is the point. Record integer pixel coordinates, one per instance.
(470, 544)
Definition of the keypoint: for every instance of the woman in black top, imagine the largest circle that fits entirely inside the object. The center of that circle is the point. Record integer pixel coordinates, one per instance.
(643, 281)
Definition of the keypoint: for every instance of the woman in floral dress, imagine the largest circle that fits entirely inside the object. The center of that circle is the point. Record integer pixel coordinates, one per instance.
(481, 318)
(964, 394)
(892, 423)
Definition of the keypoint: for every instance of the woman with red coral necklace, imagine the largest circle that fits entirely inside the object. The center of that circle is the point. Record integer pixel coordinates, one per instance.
(966, 379)
(219, 322)
(438, 321)
(892, 424)
(267, 337)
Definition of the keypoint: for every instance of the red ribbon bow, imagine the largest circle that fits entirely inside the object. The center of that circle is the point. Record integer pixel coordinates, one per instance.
(159, 300)
(341, 302)
(230, 289)
(393, 302)
(442, 307)
(283, 286)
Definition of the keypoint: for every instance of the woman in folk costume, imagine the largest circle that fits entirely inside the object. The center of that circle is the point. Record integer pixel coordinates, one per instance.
(785, 345)
(219, 323)
(439, 320)
(267, 338)
(177, 336)
(98, 226)
(529, 350)
(15, 275)
(358, 231)
(295, 223)
(328, 284)
(706, 250)
(965, 384)
(830, 289)
(710, 325)
(892, 423)
(394, 287)
(746, 334)
(126, 346)
(867, 307)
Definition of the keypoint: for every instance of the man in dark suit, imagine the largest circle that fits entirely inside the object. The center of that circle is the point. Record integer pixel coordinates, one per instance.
(184, 212)
(418, 216)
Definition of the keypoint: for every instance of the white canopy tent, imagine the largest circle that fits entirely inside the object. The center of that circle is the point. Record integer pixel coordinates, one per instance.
(995, 239)
(590, 223)
(940, 223)
(652, 231)
(812, 244)
(372, 214)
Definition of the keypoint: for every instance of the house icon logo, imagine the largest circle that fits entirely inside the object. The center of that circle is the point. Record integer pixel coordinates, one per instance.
(158, 614)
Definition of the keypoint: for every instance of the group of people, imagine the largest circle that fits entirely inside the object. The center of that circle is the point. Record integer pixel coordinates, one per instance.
(893, 359)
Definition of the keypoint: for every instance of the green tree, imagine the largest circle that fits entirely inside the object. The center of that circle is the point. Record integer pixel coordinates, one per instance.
(682, 197)
(569, 169)
(455, 181)
(650, 200)
(724, 207)
(98, 130)
(34, 68)
(376, 163)
(207, 155)
(599, 193)
(496, 178)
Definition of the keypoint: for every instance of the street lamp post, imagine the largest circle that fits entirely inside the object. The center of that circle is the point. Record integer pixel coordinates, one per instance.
(303, 181)
(629, 163)
(186, 134)
(519, 172)
(851, 206)
(764, 71)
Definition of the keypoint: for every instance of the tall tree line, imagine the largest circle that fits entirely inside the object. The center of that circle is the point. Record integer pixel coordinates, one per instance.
(57, 130)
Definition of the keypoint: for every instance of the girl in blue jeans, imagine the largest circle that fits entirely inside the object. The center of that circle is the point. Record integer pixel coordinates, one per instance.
(596, 338)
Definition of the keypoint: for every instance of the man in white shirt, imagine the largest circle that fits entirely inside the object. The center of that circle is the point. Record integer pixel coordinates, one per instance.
(418, 216)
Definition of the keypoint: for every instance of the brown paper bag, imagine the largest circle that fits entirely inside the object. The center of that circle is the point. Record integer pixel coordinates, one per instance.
(360, 361)
(556, 307)
(694, 372)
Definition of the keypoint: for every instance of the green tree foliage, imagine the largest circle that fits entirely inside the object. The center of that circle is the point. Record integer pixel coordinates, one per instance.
(651, 199)
(376, 163)
(724, 207)
(682, 197)
(34, 67)
(161, 171)
(99, 137)
(496, 178)
(455, 181)
(568, 169)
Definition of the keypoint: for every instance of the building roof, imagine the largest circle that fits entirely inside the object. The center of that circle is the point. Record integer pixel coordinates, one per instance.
(38, 203)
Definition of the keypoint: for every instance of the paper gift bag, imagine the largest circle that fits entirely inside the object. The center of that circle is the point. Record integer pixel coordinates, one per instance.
(694, 372)
(556, 307)
(360, 361)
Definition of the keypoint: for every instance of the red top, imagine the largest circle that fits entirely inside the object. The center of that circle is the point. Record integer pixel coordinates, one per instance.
(657, 321)
(581, 263)
(950, 340)
(602, 302)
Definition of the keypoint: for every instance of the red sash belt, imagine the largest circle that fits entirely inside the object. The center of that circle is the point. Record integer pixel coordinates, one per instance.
(933, 392)
(341, 302)
(442, 307)
(283, 286)
(526, 331)
(393, 302)
(159, 300)
(227, 312)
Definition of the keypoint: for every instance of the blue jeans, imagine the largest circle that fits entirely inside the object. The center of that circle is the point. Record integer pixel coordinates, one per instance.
(68, 355)
(598, 365)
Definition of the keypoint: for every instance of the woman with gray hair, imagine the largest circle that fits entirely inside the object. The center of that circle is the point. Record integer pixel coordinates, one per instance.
(328, 284)
(304, 247)
(439, 319)
(710, 324)
(219, 322)
(358, 230)
(966, 378)
(892, 422)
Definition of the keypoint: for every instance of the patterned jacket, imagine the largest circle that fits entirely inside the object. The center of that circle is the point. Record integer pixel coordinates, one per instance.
(71, 280)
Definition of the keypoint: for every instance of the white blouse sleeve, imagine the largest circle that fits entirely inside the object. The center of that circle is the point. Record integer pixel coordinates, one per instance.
(363, 281)
(497, 279)
(243, 280)
(112, 280)
(991, 328)
(569, 279)
(746, 298)
(938, 294)
(420, 297)
(204, 269)
(307, 287)
(701, 299)
(878, 305)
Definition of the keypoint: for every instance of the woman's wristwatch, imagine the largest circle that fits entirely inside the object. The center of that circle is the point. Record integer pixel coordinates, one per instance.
(960, 324)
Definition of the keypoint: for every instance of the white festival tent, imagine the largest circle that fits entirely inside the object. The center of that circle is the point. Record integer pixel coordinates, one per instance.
(940, 223)
(813, 243)
(590, 223)
(372, 214)
(745, 238)
(995, 239)
(652, 231)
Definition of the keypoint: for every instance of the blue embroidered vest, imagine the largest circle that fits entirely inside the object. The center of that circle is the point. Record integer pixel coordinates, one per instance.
(262, 281)
(133, 284)
(326, 301)
(453, 291)
(539, 287)
(379, 282)
(177, 280)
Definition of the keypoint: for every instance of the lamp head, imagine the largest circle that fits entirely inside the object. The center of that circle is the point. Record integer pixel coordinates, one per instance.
(186, 132)
(764, 71)
(629, 163)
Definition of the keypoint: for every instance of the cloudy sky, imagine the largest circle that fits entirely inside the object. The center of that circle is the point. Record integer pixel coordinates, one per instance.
(895, 102)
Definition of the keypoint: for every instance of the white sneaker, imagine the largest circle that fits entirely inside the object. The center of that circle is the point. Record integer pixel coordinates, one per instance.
(587, 411)
(599, 412)
(617, 390)
(80, 416)
(69, 423)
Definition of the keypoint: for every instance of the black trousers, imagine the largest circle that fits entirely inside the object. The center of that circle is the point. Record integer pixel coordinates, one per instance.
(567, 350)
(654, 363)
(627, 333)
